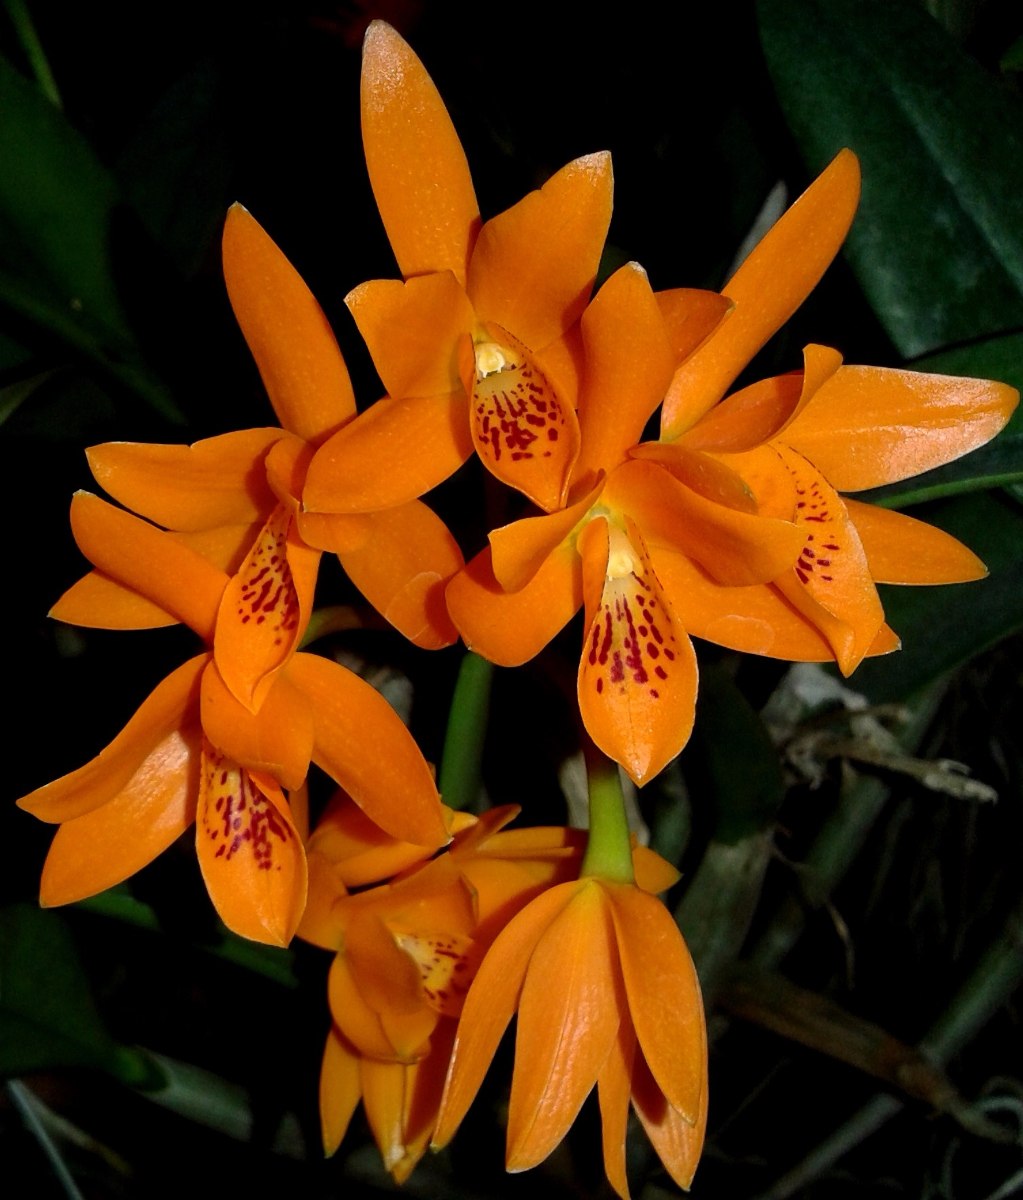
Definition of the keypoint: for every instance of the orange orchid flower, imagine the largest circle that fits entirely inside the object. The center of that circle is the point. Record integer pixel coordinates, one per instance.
(218, 492)
(637, 675)
(606, 995)
(476, 347)
(223, 735)
(406, 952)
(723, 529)
(786, 446)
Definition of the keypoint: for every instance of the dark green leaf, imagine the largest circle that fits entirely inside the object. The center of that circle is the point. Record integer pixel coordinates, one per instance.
(937, 244)
(175, 170)
(737, 757)
(58, 211)
(47, 1016)
(943, 627)
(56, 207)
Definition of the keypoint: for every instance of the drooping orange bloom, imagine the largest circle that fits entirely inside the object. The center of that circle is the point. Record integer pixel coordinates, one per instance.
(406, 953)
(786, 446)
(219, 491)
(476, 347)
(605, 994)
(221, 736)
(637, 675)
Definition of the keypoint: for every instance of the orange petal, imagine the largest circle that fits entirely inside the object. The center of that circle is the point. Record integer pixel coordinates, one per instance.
(321, 923)
(735, 547)
(337, 533)
(900, 549)
(357, 849)
(664, 996)
(764, 474)
(757, 413)
(149, 561)
(290, 339)
(277, 740)
(533, 266)
(653, 873)
(678, 1143)
(614, 1089)
(562, 362)
(383, 1096)
(492, 1000)
(755, 619)
(629, 362)
(105, 845)
(389, 982)
(637, 674)
(520, 549)
(147, 750)
(746, 418)
(867, 426)
(690, 316)
(766, 290)
(250, 854)
(704, 473)
(401, 1102)
(394, 452)
(218, 481)
(509, 628)
(413, 331)
(524, 432)
(571, 1004)
(298, 806)
(362, 744)
(225, 546)
(402, 569)
(286, 465)
(831, 583)
(340, 1089)
(424, 1082)
(416, 164)
(387, 978)
(264, 610)
(98, 602)
(356, 1020)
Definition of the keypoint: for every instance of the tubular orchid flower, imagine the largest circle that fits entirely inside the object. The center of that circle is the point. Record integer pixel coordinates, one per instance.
(637, 675)
(406, 952)
(605, 994)
(476, 347)
(220, 737)
(786, 446)
(220, 491)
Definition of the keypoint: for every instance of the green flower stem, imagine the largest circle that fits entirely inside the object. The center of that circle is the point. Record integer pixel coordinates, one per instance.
(609, 847)
(467, 727)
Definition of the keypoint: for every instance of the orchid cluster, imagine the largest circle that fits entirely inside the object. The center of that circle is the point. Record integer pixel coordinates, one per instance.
(652, 497)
